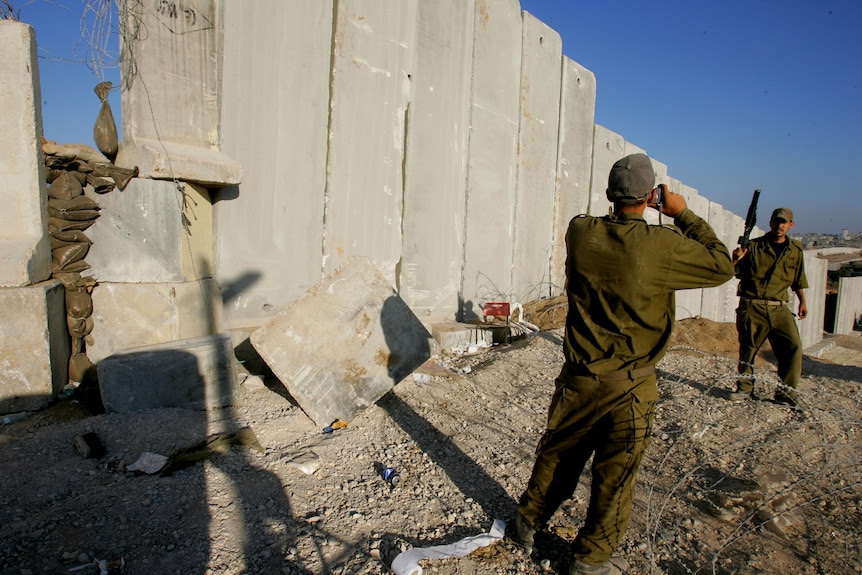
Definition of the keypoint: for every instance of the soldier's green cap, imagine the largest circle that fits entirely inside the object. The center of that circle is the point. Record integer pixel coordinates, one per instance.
(631, 180)
(785, 214)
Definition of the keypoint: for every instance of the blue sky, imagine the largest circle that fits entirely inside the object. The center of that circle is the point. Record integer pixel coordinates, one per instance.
(731, 95)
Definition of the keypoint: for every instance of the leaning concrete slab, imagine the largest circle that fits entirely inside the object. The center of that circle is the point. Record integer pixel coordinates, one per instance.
(343, 344)
(34, 345)
(127, 315)
(140, 235)
(574, 158)
(25, 253)
(541, 73)
(198, 373)
(436, 164)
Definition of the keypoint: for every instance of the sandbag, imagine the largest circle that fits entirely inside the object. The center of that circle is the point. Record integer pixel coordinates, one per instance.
(74, 237)
(79, 303)
(67, 278)
(76, 209)
(77, 266)
(100, 185)
(65, 255)
(73, 204)
(105, 130)
(81, 152)
(79, 366)
(62, 225)
(79, 327)
(65, 186)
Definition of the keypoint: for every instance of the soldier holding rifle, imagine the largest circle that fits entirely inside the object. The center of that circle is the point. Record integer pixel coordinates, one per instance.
(766, 267)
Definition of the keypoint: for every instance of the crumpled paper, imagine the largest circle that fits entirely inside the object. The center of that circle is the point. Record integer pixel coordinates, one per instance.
(407, 562)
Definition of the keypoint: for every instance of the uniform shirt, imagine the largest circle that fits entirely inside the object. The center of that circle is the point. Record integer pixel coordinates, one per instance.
(764, 275)
(621, 277)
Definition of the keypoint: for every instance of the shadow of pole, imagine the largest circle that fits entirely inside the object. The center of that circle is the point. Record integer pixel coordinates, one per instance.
(467, 475)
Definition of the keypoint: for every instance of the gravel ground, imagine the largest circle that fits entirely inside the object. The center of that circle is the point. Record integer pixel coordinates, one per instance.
(725, 487)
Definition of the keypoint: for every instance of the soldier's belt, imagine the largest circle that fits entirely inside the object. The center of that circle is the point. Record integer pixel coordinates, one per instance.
(631, 374)
(762, 301)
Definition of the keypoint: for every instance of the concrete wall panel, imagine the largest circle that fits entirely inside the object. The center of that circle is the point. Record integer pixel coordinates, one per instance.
(849, 306)
(574, 159)
(489, 236)
(373, 60)
(25, 254)
(140, 235)
(608, 147)
(811, 328)
(436, 165)
(270, 229)
(541, 75)
(172, 92)
(133, 315)
(688, 302)
(34, 345)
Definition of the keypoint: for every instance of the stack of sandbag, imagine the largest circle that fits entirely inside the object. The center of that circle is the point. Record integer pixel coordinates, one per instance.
(70, 169)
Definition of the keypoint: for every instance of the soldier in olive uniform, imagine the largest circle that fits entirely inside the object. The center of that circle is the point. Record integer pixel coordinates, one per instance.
(771, 264)
(621, 277)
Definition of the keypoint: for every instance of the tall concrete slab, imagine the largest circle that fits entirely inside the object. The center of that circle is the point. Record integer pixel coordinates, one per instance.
(735, 226)
(688, 302)
(34, 345)
(373, 59)
(652, 215)
(344, 343)
(25, 253)
(172, 67)
(608, 147)
(494, 109)
(848, 309)
(541, 76)
(153, 231)
(816, 271)
(714, 303)
(128, 315)
(436, 165)
(269, 237)
(574, 160)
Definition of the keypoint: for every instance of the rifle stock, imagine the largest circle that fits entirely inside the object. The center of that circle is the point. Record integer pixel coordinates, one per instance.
(750, 220)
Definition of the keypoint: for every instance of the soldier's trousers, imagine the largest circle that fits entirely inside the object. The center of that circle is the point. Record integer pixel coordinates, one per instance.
(610, 420)
(757, 322)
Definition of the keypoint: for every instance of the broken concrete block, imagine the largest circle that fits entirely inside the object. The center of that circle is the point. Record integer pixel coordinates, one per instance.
(344, 343)
(34, 345)
(198, 373)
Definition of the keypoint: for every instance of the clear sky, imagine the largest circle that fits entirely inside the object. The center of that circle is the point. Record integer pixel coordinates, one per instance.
(732, 95)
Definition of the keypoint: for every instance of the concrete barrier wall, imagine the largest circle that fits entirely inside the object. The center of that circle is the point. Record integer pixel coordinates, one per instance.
(849, 307)
(25, 253)
(450, 142)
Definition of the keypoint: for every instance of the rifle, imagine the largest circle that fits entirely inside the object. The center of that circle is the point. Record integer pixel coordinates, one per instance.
(750, 220)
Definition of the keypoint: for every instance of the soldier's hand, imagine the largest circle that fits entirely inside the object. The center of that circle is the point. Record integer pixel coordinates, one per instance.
(739, 253)
(671, 204)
